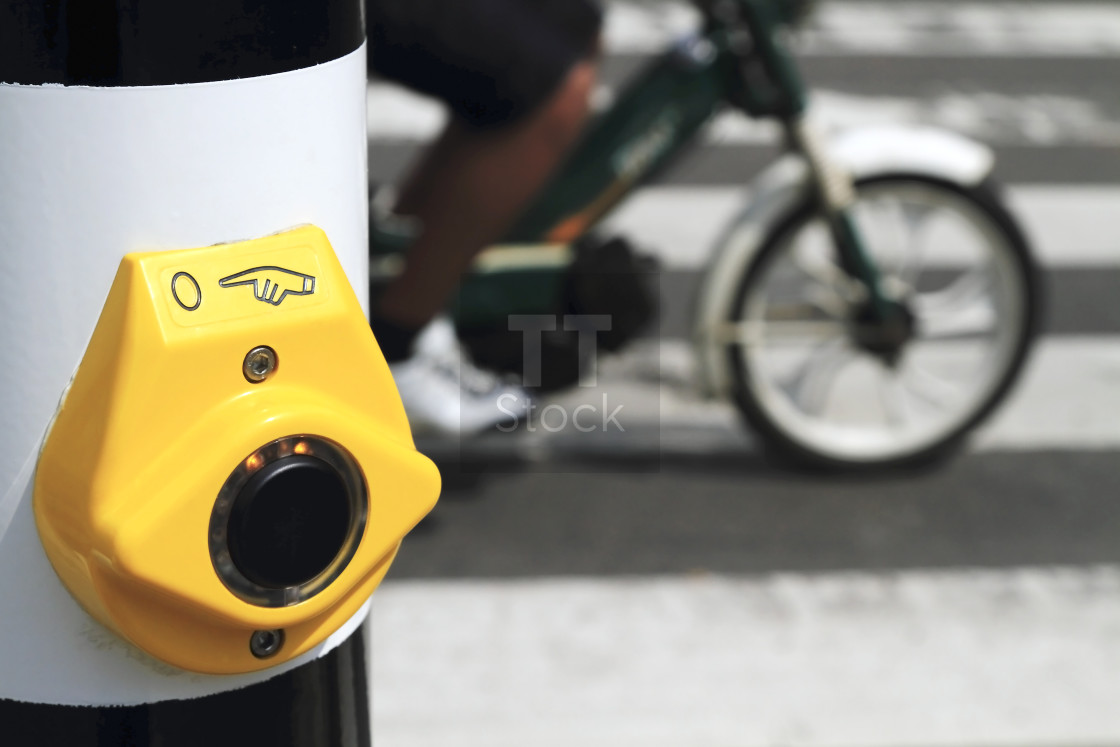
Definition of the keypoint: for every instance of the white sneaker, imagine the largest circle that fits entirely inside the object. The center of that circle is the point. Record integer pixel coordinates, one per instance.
(443, 392)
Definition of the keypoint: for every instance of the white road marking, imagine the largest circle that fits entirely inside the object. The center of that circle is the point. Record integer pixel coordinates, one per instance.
(968, 657)
(397, 115)
(966, 29)
(1068, 399)
(995, 118)
(903, 28)
(1069, 226)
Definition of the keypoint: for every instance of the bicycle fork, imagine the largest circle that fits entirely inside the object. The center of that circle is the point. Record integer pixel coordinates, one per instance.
(772, 86)
(836, 195)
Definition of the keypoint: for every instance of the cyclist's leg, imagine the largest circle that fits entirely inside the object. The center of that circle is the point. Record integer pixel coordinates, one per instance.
(517, 75)
(470, 187)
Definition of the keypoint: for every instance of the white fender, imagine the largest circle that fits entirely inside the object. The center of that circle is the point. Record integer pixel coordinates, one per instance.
(866, 152)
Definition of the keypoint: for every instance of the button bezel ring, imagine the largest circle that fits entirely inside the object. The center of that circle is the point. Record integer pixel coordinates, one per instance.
(357, 492)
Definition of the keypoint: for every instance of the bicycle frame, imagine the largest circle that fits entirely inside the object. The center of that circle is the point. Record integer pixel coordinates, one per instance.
(654, 118)
(739, 59)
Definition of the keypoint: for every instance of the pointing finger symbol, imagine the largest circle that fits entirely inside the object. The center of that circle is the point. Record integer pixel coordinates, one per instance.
(272, 284)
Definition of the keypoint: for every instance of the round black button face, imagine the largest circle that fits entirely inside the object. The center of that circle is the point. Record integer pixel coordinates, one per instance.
(289, 522)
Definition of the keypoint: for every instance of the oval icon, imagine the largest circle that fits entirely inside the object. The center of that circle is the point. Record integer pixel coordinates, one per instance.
(185, 291)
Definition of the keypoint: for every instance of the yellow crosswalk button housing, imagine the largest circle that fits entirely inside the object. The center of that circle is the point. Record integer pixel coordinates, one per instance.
(231, 472)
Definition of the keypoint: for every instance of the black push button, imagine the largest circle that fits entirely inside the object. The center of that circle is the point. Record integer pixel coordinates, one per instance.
(289, 522)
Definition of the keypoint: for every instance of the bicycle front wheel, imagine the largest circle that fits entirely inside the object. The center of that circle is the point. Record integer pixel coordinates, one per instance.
(810, 375)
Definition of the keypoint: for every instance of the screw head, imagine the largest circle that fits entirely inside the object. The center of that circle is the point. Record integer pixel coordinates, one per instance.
(265, 643)
(260, 363)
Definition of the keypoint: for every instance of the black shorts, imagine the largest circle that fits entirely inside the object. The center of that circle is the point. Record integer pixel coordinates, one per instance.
(491, 61)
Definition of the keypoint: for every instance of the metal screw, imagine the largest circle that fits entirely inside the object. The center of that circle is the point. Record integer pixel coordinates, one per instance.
(265, 643)
(260, 363)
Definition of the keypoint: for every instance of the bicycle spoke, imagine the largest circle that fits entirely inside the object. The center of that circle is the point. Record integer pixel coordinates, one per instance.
(913, 216)
(826, 274)
(969, 286)
(891, 228)
(797, 312)
(896, 402)
(930, 388)
(963, 310)
(779, 332)
(976, 320)
(809, 385)
(828, 302)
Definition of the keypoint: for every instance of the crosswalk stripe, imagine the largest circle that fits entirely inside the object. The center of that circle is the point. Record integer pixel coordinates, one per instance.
(903, 28)
(395, 114)
(1067, 400)
(1069, 226)
(965, 657)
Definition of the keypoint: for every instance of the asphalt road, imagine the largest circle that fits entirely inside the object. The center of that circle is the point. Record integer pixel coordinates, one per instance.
(743, 514)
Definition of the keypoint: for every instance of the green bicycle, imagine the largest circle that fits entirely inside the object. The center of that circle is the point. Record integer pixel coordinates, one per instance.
(871, 304)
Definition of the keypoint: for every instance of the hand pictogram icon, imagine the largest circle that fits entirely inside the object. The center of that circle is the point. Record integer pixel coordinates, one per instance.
(272, 284)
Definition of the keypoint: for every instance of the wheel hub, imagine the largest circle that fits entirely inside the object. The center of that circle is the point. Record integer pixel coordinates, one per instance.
(884, 336)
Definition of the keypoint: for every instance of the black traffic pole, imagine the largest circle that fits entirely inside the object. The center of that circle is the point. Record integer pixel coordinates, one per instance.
(150, 125)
